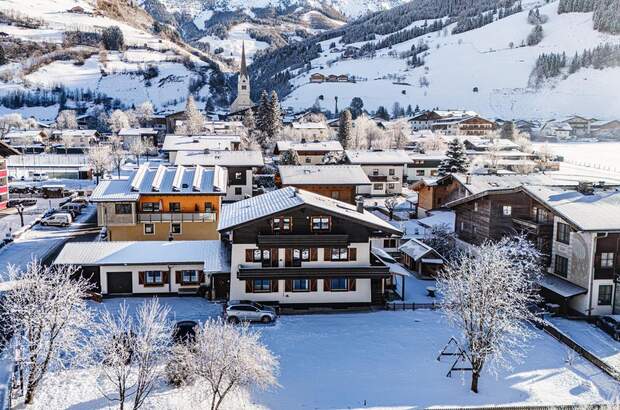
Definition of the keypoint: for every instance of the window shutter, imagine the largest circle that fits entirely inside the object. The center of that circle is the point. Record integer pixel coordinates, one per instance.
(327, 256)
(274, 285)
(313, 254)
(248, 286)
(352, 285)
(327, 286)
(164, 276)
(288, 285)
(141, 278)
(352, 254)
(288, 257)
(201, 276)
(312, 285)
(274, 257)
(249, 255)
(178, 276)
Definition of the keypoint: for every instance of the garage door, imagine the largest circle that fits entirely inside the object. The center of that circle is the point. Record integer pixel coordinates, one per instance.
(119, 283)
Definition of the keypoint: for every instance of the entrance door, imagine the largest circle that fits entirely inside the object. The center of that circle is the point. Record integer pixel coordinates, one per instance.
(119, 283)
(376, 291)
(221, 287)
(616, 310)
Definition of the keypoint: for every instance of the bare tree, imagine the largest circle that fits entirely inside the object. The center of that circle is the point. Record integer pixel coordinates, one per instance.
(117, 154)
(67, 141)
(390, 204)
(228, 357)
(545, 155)
(66, 120)
(400, 131)
(487, 295)
(99, 159)
(434, 143)
(441, 238)
(46, 311)
(194, 121)
(493, 155)
(137, 148)
(145, 112)
(118, 120)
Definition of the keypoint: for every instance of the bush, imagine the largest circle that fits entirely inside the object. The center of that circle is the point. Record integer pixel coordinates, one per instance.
(112, 38)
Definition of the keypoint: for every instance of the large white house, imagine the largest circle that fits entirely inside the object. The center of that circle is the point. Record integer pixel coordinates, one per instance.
(385, 169)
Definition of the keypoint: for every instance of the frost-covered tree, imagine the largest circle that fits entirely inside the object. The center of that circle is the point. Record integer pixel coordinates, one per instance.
(194, 122)
(334, 158)
(441, 238)
(99, 159)
(487, 295)
(263, 112)
(67, 141)
(457, 158)
(289, 157)
(344, 129)
(248, 120)
(274, 123)
(226, 357)
(137, 148)
(400, 131)
(118, 120)
(391, 203)
(46, 312)
(145, 112)
(117, 154)
(433, 143)
(66, 120)
(356, 107)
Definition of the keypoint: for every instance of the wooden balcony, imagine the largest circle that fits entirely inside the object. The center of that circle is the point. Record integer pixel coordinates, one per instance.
(302, 241)
(533, 226)
(361, 272)
(159, 217)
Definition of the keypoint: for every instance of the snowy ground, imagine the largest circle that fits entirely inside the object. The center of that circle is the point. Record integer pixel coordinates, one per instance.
(588, 154)
(9, 218)
(380, 360)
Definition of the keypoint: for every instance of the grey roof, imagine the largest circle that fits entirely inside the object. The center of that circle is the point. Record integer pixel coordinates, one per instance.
(221, 158)
(325, 146)
(323, 175)
(162, 180)
(415, 249)
(261, 206)
(560, 286)
(213, 254)
(597, 212)
(215, 142)
(386, 157)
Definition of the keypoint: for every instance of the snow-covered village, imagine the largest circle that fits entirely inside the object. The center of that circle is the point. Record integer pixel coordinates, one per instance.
(310, 204)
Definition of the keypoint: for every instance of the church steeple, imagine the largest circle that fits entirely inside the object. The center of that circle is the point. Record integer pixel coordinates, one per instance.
(244, 68)
(243, 100)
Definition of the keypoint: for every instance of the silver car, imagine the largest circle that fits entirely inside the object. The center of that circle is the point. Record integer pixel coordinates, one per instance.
(247, 311)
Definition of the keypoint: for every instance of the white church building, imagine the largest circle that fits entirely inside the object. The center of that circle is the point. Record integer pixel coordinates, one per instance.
(243, 100)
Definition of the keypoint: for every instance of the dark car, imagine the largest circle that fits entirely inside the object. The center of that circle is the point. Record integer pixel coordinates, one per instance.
(184, 331)
(610, 325)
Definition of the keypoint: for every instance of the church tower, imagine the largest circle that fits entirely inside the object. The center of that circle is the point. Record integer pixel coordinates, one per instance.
(243, 100)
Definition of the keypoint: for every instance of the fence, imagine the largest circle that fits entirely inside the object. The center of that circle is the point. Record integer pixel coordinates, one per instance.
(394, 306)
(537, 407)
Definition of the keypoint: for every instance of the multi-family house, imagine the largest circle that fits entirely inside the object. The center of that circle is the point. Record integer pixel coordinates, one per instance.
(309, 131)
(25, 138)
(425, 120)
(385, 169)
(302, 249)
(576, 229)
(341, 182)
(199, 143)
(76, 138)
(163, 203)
(311, 153)
(240, 167)
(148, 135)
(423, 165)
(5, 152)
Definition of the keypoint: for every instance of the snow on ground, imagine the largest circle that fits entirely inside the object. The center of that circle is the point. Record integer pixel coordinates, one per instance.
(592, 338)
(379, 360)
(587, 153)
(479, 58)
(237, 36)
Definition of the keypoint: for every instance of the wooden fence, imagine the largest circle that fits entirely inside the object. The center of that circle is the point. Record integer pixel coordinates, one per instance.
(394, 306)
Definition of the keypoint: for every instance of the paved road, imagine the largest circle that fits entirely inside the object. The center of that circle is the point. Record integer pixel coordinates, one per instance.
(9, 218)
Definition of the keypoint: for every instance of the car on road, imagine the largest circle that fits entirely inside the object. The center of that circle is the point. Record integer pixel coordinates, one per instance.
(248, 311)
(59, 219)
(610, 325)
(73, 209)
(81, 200)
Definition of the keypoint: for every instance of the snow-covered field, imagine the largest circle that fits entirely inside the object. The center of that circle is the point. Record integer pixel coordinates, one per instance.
(602, 154)
(373, 360)
(237, 36)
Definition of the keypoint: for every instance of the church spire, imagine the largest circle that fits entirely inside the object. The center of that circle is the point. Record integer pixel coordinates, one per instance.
(244, 68)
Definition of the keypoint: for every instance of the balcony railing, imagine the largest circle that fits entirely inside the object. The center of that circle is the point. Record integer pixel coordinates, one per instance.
(307, 241)
(176, 217)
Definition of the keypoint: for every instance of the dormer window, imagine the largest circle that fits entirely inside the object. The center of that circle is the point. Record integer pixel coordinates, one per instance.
(281, 224)
(321, 223)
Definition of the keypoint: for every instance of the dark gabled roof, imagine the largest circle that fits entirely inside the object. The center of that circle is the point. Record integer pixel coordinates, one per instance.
(6, 150)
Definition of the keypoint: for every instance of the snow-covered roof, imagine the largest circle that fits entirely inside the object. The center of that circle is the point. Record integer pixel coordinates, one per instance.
(76, 133)
(309, 125)
(324, 146)
(387, 157)
(429, 156)
(480, 183)
(24, 134)
(174, 142)
(560, 286)
(597, 212)
(417, 228)
(485, 143)
(395, 267)
(323, 175)
(415, 249)
(261, 206)
(162, 180)
(221, 158)
(213, 254)
(130, 132)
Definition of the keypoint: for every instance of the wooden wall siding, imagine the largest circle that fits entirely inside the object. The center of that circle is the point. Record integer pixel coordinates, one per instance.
(434, 197)
(231, 175)
(611, 243)
(346, 193)
(301, 221)
(189, 203)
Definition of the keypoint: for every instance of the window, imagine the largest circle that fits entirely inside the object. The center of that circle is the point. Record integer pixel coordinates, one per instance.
(320, 223)
(263, 256)
(607, 260)
(174, 206)
(392, 171)
(244, 87)
(434, 172)
(507, 210)
(389, 243)
(299, 255)
(154, 277)
(604, 295)
(419, 172)
(335, 195)
(150, 207)
(375, 172)
(475, 206)
(390, 186)
(561, 265)
(175, 228)
(122, 209)
(281, 224)
(377, 187)
(238, 191)
(308, 160)
(208, 207)
(149, 229)
(563, 233)
(238, 176)
(340, 254)
(339, 284)
(190, 276)
(262, 285)
(300, 285)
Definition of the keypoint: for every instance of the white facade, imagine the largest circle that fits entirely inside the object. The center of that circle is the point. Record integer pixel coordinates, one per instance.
(239, 192)
(386, 179)
(134, 270)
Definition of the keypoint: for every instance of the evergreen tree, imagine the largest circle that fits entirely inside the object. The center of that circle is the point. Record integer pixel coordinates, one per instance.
(112, 38)
(3, 59)
(457, 159)
(248, 120)
(275, 117)
(344, 129)
(289, 157)
(409, 111)
(263, 112)
(383, 113)
(194, 120)
(209, 106)
(356, 107)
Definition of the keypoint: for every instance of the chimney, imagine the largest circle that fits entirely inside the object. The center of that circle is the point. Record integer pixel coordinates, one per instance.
(359, 203)
(585, 188)
(468, 179)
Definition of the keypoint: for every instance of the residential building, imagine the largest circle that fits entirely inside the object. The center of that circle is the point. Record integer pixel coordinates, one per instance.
(5, 152)
(606, 129)
(162, 203)
(301, 249)
(24, 138)
(425, 120)
(317, 78)
(420, 258)
(309, 131)
(240, 167)
(76, 138)
(311, 153)
(580, 126)
(385, 169)
(148, 135)
(476, 126)
(557, 130)
(423, 165)
(153, 267)
(199, 143)
(341, 182)
(243, 100)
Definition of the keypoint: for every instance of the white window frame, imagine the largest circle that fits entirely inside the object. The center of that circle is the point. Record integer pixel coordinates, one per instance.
(149, 233)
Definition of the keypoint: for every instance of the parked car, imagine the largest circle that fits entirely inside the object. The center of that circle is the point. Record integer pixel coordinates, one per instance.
(184, 331)
(610, 325)
(21, 201)
(247, 311)
(59, 219)
(74, 209)
(38, 176)
(81, 200)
